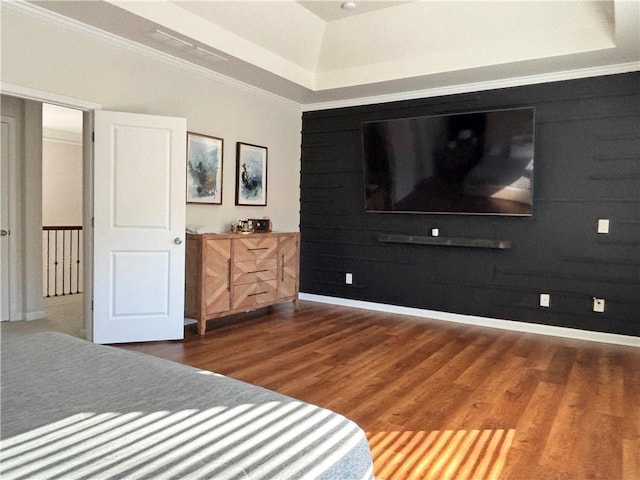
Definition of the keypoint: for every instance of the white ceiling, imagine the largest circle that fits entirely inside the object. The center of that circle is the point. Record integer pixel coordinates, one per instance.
(314, 51)
(330, 10)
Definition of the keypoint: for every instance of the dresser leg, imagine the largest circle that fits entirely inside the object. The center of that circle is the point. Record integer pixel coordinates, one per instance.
(202, 326)
(296, 303)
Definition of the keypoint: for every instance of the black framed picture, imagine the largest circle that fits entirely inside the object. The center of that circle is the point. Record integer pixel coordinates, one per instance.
(251, 174)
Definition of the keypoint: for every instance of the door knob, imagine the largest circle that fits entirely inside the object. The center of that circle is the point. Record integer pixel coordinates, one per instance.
(177, 241)
(4, 233)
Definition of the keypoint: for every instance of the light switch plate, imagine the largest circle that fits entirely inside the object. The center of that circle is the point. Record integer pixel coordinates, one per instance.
(603, 225)
(545, 300)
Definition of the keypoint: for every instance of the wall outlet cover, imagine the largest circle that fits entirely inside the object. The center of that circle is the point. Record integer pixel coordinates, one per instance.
(598, 305)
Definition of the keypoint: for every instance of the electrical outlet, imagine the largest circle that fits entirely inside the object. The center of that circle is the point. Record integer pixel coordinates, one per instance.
(598, 305)
(545, 299)
(348, 278)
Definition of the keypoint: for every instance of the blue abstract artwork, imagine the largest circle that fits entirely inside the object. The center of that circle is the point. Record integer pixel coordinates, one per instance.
(204, 169)
(251, 175)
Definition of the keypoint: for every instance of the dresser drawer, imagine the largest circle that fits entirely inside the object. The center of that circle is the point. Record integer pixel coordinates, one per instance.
(252, 295)
(254, 248)
(255, 271)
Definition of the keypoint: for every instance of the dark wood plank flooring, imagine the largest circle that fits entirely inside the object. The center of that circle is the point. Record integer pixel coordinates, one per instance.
(440, 400)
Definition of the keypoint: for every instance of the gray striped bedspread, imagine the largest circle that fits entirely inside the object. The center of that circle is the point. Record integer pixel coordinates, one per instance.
(74, 410)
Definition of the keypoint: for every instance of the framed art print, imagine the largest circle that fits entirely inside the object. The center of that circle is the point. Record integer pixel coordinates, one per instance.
(204, 168)
(251, 174)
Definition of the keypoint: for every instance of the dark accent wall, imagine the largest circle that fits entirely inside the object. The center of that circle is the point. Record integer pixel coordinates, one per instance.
(587, 166)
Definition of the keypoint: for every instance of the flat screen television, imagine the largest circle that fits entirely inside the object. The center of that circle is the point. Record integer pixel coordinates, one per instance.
(464, 163)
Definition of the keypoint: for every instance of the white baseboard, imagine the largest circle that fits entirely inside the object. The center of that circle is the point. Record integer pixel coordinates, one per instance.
(573, 333)
(37, 315)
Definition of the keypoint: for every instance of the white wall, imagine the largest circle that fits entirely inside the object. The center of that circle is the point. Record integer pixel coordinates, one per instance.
(45, 56)
(33, 205)
(61, 182)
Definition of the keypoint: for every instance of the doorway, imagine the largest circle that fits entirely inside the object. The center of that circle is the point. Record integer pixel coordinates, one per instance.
(24, 136)
(62, 219)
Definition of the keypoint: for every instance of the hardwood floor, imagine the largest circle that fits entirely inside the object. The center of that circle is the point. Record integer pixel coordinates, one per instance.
(440, 400)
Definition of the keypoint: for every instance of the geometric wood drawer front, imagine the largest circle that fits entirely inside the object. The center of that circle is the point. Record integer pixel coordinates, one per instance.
(255, 270)
(216, 296)
(245, 249)
(288, 269)
(255, 294)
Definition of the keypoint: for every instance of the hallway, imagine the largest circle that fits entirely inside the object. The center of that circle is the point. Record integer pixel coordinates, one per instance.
(63, 314)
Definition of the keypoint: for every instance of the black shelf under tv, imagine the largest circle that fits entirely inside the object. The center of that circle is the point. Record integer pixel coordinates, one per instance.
(445, 241)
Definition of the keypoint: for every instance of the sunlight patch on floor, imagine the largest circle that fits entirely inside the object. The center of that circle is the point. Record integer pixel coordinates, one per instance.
(447, 454)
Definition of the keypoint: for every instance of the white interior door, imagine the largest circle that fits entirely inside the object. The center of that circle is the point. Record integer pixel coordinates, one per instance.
(139, 226)
(4, 224)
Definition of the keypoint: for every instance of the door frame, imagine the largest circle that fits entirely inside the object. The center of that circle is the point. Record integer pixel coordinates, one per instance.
(87, 107)
(87, 220)
(12, 198)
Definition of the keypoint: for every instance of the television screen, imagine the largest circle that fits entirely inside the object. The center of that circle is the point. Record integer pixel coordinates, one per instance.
(469, 163)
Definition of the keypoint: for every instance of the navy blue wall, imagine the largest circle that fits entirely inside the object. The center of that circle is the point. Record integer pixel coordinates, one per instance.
(587, 166)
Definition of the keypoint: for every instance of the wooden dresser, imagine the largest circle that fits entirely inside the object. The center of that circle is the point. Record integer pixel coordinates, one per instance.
(232, 273)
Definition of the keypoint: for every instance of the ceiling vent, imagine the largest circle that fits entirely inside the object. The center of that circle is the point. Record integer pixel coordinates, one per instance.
(169, 40)
(207, 55)
(172, 41)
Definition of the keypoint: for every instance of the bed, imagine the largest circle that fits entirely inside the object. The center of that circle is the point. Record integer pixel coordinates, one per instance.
(75, 410)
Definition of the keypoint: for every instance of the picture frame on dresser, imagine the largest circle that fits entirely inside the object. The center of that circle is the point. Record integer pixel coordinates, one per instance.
(251, 174)
(205, 156)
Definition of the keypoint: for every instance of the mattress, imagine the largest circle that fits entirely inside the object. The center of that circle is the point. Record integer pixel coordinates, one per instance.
(75, 410)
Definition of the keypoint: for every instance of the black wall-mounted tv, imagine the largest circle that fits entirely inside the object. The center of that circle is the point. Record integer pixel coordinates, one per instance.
(464, 163)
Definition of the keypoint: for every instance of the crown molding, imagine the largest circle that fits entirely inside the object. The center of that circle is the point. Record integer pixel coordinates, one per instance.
(478, 86)
(511, 325)
(42, 14)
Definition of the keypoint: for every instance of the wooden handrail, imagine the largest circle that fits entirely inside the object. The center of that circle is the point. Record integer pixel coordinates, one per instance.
(63, 227)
